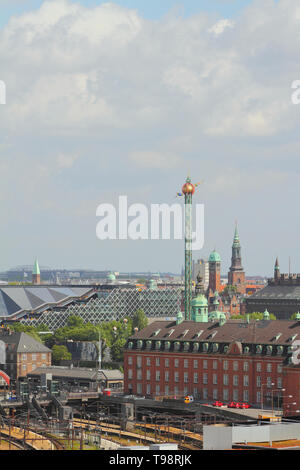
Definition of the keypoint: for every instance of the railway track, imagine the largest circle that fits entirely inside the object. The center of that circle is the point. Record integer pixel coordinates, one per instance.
(29, 439)
(195, 441)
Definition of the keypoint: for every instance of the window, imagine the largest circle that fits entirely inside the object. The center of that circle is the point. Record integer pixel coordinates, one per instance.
(167, 376)
(205, 394)
(185, 391)
(44, 356)
(167, 362)
(176, 377)
(204, 364)
(279, 369)
(195, 364)
(246, 380)
(139, 361)
(33, 357)
(258, 367)
(129, 359)
(176, 362)
(225, 365)
(215, 365)
(186, 377)
(148, 375)
(148, 361)
(246, 366)
(215, 379)
(24, 357)
(258, 397)
(269, 382)
(139, 374)
(186, 363)
(225, 394)
(235, 395)
(258, 381)
(236, 380)
(279, 382)
(269, 367)
(24, 366)
(157, 375)
(130, 373)
(225, 379)
(205, 379)
(235, 366)
(195, 378)
(157, 389)
(148, 389)
(176, 391)
(33, 366)
(246, 395)
(215, 394)
(167, 390)
(157, 361)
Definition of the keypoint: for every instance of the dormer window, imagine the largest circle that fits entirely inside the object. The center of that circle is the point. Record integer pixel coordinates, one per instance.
(156, 332)
(276, 338)
(171, 332)
(185, 332)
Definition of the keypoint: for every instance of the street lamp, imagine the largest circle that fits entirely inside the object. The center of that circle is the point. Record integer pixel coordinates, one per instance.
(272, 394)
(261, 391)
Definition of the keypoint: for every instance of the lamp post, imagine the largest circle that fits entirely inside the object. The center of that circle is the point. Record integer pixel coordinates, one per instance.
(261, 391)
(272, 394)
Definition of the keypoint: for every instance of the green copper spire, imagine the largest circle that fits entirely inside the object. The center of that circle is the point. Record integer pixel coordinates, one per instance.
(36, 268)
(236, 239)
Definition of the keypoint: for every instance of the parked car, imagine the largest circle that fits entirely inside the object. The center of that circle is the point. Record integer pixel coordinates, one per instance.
(244, 405)
(232, 404)
(218, 403)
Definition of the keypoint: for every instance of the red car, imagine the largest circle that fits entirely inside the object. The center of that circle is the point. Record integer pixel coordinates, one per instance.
(244, 405)
(232, 404)
(218, 403)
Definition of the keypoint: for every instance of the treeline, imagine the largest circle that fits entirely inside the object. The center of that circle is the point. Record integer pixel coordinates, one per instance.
(113, 334)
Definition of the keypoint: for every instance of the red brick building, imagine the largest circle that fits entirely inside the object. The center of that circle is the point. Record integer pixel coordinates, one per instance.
(23, 354)
(228, 361)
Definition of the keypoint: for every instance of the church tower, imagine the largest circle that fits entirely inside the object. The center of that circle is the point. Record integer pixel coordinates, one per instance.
(236, 275)
(214, 272)
(36, 275)
(276, 271)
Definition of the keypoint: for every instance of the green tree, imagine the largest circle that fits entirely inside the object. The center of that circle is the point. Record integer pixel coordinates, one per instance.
(60, 353)
(75, 321)
(29, 330)
(253, 316)
(139, 320)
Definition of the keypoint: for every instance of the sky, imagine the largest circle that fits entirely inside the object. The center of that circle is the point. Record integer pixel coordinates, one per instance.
(127, 98)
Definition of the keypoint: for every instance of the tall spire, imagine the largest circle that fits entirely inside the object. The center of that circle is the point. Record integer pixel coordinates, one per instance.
(236, 238)
(36, 274)
(36, 268)
(276, 270)
(236, 275)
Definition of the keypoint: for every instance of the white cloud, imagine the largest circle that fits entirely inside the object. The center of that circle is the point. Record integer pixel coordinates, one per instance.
(99, 98)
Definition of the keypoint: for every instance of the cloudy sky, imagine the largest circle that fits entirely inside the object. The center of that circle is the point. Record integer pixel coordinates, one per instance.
(124, 98)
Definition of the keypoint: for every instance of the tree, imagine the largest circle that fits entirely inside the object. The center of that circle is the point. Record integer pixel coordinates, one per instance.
(74, 321)
(60, 353)
(253, 316)
(29, 330)
(139, 320)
